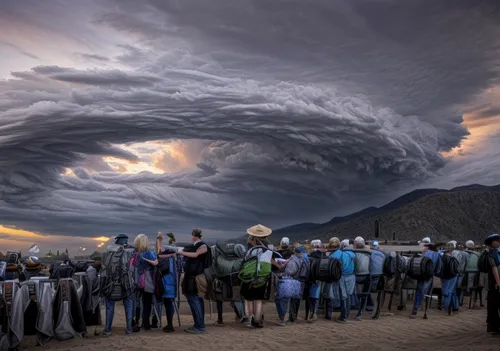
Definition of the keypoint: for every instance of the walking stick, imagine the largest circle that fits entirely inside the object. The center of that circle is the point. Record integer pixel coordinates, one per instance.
(177, 304)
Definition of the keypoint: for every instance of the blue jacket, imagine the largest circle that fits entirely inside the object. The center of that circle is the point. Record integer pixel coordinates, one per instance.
(170, 281)
(347, 258)
(436, 259)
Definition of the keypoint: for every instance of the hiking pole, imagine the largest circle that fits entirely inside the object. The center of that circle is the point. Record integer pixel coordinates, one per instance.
(177, 304)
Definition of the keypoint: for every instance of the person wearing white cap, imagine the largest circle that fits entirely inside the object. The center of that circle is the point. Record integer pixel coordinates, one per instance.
(469, 244)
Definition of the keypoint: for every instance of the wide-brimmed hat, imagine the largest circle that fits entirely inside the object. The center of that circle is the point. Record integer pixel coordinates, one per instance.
(259, 231)
(491, 238)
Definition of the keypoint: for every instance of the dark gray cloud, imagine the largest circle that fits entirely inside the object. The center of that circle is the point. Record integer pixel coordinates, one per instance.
(291, 111)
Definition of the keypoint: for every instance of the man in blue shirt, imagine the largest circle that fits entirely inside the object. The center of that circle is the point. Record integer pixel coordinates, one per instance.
(493, 298)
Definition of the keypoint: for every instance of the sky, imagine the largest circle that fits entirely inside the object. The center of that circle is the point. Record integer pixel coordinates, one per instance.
(124, 116)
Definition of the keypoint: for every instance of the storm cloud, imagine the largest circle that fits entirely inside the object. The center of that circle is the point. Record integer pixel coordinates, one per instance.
(273, 112)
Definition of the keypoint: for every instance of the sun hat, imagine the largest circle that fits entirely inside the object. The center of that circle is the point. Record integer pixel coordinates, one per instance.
(469, 244)
(285, 241)
(334, 242)
(316, 243)
(491, 238)
(259, 231)
(375, 243)
(344, 244)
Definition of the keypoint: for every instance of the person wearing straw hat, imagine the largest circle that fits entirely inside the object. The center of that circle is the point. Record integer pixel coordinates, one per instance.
(493, 297)
(254, 296)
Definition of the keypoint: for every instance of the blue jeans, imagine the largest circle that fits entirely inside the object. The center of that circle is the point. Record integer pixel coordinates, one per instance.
(423, 288)
(282, 307)
(128, 304)
(197, 306)
(449, 290)
(365, 283)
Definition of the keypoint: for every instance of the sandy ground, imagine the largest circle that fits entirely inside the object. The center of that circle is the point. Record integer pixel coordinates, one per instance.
(465, 331)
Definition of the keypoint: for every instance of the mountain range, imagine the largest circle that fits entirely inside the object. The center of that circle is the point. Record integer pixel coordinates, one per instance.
(462, 213)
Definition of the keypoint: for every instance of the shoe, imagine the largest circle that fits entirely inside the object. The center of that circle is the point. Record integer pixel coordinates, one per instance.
(257, 324)
(194, 330)
(148, 328)
(413, 316)
(107, 333)
(314, 317)
(220, 323)
(328, 318)
(281, 323)
(136, 329)
(168, 329)
(342, 320)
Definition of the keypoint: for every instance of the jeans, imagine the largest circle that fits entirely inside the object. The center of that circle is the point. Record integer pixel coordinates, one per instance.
(423, 288)
(197, 306)
(169, 310)
(219, 310)
(128, 305)
(449, 291)
(311, 306)
(294, 309)
(282, 307)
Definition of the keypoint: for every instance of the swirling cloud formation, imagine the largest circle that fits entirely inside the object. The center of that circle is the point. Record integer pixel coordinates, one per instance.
(177, 114)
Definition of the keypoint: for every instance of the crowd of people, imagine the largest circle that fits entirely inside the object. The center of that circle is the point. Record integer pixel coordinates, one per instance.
(338, 276)
(283, 264)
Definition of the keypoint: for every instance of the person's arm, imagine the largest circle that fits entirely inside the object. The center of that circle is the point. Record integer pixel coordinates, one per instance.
(152, 262)
(201, 250)
(495, 274)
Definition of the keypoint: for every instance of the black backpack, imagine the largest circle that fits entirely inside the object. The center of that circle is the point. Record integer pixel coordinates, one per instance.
(450, 267)
(482, 262)
(208, 260)
(421, 268)
(326, 269)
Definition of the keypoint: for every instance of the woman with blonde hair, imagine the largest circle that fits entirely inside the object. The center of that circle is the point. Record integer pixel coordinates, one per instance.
(144, 261)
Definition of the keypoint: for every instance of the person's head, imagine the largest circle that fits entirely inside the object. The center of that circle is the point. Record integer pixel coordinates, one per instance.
(300, 250)
(284, 243)
(493, 241)
(334, 243)
(141, 243)
(452, 244)
(375, 245)
(344, 244)
(316, 244)
(425, 241)
(359, 243)
(258, 234)
(196, 235)
(121, 239)
(469, 244)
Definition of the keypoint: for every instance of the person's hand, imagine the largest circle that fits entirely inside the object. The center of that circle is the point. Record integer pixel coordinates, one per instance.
(160, 235)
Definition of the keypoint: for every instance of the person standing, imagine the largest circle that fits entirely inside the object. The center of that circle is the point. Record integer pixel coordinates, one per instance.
(493, 297)
(195, 265)
(121, 289)
(168, 270)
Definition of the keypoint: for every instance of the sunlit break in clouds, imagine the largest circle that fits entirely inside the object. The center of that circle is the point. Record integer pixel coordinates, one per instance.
(145, 116)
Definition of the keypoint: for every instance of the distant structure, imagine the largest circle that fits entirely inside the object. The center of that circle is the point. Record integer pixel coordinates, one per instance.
(377, 229)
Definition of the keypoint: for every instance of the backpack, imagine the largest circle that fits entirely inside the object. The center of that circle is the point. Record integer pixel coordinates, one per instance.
(393, 264)
(471, 266)
(3, 269)
(59, 270)
(256, 268)
(298, 268)
(462, 258)
(421, 268)
(377, 260)
(139, 271)
(117, 275)
(362, 262)
(482, 262)
(450, 267)
(326, 269)
(208, 259)
(227, 259)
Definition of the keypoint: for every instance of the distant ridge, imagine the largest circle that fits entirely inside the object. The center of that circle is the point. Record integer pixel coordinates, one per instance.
(462, 213)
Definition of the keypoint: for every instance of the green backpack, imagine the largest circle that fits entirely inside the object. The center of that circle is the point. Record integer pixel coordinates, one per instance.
(256, 268)
(472, 262)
